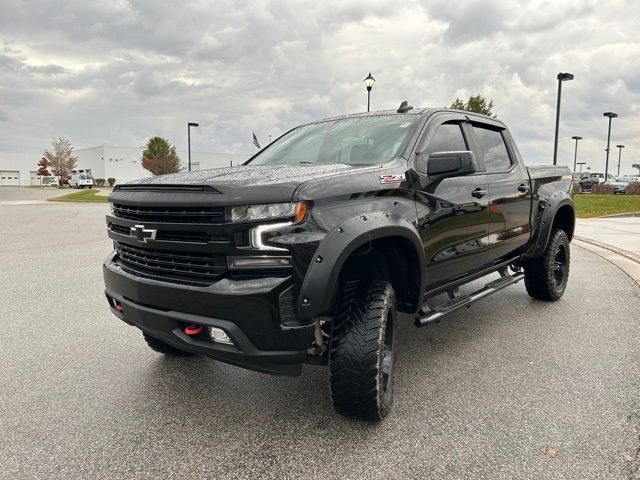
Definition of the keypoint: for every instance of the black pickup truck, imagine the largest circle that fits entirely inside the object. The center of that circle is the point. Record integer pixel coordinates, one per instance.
(308, 251)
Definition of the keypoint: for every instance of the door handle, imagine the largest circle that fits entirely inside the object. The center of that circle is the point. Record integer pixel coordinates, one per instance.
(479, 192)
(523, 188)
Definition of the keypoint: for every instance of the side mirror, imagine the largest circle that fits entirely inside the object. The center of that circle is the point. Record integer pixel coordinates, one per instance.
(446, 164)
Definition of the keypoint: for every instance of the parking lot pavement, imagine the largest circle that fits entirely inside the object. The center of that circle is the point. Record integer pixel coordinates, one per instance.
(510, 388)
(8, 194)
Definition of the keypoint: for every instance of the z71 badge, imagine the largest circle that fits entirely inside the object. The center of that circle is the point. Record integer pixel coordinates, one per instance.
(394, 178)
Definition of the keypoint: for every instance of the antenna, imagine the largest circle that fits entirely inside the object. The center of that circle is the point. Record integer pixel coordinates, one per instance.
(404, 107)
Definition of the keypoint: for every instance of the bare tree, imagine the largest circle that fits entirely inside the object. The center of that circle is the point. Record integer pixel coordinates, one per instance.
(61, 160)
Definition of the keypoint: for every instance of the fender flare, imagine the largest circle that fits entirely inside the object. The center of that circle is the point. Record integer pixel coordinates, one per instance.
(340, 242)
(549, 209)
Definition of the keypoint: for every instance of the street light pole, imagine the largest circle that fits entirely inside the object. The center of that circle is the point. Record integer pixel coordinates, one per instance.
(562, 77)
(620, 147)
(368, 82)
(606, 164)
(189, 125)
(575, 153)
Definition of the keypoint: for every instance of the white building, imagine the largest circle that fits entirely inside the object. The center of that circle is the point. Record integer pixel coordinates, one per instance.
(122, 163)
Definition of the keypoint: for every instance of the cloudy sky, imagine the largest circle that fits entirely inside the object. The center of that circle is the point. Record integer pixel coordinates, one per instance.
(116, 72)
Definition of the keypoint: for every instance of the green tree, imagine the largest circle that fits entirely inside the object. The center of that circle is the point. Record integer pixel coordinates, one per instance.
(61, 160)
(476, 103)
(160, 157)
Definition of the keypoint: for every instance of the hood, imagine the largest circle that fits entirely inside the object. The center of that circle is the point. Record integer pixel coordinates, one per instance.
(243, 184)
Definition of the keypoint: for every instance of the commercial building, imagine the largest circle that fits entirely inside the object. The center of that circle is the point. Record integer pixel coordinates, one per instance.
(122, 163)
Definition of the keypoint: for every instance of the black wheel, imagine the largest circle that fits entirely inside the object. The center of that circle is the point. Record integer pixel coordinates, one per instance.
(546, 277)
(362, 351)
(161, 347)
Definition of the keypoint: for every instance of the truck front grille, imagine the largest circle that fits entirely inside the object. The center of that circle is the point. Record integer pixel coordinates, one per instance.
(186, 236)
(190, 268)
(169, 214)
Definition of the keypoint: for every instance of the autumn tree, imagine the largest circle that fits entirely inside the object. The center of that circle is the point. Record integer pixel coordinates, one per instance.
(476, 103)
(61, 159)
(160, 157)
(43, 168)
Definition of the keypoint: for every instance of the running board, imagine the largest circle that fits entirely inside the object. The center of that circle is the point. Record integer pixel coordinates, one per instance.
(428, 314)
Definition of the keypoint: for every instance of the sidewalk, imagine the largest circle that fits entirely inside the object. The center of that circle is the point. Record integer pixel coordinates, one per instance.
(615, 238)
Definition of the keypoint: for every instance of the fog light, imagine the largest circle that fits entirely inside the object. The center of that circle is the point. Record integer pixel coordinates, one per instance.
(219, 336)
(259, 262)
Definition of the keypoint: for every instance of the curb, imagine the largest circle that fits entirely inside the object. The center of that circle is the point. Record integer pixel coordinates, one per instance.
(611, 248)
(615, 215)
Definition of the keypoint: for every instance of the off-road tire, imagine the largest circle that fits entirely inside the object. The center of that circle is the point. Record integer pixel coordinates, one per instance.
(546, 277)
(161, 347)
(362, 350)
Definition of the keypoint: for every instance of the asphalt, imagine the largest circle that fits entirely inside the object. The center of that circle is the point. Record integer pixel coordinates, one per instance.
(483, 394)
(13, 194)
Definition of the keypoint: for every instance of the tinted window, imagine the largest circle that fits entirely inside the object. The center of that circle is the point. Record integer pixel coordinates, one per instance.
(448, 138)
(493, 149)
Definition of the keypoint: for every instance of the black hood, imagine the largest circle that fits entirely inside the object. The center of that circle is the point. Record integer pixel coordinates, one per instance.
(241, 184)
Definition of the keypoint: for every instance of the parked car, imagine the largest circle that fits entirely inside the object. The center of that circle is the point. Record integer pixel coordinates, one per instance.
(587, 182)
(628, 178)
(81, 179)
(622, 183)
(577, 176)
(307, 253)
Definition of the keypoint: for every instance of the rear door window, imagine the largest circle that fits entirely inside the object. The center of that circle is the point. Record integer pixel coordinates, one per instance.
(492, 148)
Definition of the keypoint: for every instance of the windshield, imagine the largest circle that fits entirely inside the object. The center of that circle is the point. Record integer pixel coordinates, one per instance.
(352, 141)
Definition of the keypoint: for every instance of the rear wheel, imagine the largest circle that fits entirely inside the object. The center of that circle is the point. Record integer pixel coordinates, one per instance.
(546, 277)
(362, 351)
(161, 347)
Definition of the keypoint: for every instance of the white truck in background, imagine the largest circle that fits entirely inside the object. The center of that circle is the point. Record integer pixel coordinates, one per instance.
(81, 178)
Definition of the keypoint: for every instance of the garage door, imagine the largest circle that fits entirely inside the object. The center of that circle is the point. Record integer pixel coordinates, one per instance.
(35, 179)
(9, 177)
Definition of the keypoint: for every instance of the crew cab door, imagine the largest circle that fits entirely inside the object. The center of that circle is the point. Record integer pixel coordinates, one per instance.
(451, 212)
(509, 190)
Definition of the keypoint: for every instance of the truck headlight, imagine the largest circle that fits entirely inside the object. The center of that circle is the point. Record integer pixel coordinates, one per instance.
(110, 211)
(244, 213)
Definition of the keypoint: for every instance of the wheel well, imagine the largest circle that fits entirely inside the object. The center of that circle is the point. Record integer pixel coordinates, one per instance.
(392, 259)
(565, 220)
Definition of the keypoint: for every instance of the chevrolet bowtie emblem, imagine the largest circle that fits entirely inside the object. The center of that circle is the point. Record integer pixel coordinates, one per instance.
(143, 234)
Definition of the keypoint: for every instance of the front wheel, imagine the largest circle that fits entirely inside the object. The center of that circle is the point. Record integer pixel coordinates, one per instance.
(546, 277)
(362, 350)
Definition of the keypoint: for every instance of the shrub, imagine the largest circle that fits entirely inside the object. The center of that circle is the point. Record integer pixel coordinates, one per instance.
(633, 188)
(603, 189)
(575, 188)
(112, 181)
(100, 182)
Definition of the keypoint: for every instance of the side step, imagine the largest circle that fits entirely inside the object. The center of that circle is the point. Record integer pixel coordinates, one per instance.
(428, 314)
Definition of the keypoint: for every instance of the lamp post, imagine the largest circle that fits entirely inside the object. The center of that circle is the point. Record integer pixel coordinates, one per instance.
(606, 163)
(368, 82)
(581, 163)
(189, 125)
(562, 77)
(620, 147)
(575, 153)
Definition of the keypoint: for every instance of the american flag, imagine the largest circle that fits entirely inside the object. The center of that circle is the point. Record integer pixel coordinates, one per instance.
(255, 141)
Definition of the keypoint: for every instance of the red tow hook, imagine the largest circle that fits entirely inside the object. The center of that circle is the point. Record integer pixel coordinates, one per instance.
(119, 307)
(194, 329)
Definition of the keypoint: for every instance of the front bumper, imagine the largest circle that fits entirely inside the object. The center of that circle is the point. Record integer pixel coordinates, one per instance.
(248, 310)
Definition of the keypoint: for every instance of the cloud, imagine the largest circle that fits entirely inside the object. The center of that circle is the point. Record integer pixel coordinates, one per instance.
(118, 72)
